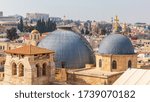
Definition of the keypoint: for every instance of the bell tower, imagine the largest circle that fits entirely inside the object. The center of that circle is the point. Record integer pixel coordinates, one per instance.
(29, 65)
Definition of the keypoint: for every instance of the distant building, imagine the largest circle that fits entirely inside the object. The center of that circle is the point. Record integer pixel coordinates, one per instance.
(55, 19)
(1, 13)
(7, 23)
(37, 16)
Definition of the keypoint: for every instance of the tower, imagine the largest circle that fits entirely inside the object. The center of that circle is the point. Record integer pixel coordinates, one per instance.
(29, 65)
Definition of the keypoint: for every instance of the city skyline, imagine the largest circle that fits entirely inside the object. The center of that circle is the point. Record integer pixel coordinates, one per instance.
(99, 10)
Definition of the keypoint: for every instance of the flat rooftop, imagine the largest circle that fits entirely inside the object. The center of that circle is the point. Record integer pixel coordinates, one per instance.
(95, 72)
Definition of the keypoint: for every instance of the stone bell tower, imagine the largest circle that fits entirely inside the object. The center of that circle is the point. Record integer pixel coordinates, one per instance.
(29, 65)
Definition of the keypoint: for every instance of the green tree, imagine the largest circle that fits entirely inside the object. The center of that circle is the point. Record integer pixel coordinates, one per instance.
(53, 26)
(20, 25)
(28, 28)
(11, 34)
(43, 27)
(82, 31)
(38, 25)
(47, 26)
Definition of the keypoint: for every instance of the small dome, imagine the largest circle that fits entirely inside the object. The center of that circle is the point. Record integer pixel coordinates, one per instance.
(34, 32)
(116, 44)
(70, 48)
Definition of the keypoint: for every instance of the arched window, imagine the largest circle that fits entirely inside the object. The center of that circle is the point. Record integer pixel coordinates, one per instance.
(38, 70)
(129, 64)
(34, 37)
(63, 64)
(100, 63)
(44, 69)
(14, 69)
(21, 70)
(114, 65)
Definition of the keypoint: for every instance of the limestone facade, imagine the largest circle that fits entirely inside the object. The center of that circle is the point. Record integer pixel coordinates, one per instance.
(29, 69)
(81, 79)
(116, 63)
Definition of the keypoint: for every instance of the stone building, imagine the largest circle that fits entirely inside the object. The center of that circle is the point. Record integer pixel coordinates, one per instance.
(7, 23)
(72, 50)
(115, 55)
(75, 60)
(37, 16)
(29, 65)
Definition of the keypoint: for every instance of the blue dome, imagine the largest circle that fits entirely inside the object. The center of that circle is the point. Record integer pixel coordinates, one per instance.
(70, 48)
(116, 44)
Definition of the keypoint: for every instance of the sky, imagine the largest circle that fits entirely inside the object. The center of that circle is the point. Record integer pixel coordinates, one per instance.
(129, 11)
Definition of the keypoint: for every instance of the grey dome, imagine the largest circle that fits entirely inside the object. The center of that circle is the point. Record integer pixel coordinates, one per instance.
(116, 44)
(70, 48)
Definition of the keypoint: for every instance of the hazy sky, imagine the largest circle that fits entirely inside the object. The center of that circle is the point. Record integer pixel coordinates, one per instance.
(127, 10)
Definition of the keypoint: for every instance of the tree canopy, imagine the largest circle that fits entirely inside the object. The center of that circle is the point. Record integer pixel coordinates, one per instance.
(45, 26)
(20, 25)
(11, 34)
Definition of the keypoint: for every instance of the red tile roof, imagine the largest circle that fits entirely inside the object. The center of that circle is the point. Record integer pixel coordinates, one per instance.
(29, 50)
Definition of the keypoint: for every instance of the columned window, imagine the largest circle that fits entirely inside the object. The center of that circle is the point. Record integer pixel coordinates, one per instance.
(38, 72)
(100, 63)
(14, 69)
(21, 70)
(44, 69)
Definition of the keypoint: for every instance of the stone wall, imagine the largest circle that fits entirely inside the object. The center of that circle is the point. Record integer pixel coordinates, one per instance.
(122, 62)
(1, 76)
(79, 79)
(60, 75)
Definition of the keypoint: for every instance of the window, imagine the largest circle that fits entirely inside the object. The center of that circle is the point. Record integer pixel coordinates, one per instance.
(14, 69)
(34, 37)
(21, 70)
(63, 64)
(38, 70)
(44, 69)
(114, 65)
(100, 63)
(129, 64)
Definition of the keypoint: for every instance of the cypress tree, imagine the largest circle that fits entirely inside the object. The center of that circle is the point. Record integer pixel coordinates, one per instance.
(20, 25)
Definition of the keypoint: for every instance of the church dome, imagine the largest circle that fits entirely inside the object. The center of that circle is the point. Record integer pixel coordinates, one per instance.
(116, 44)
(71, 49)
(34, 31)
